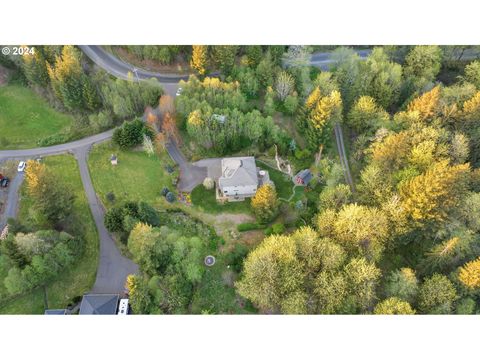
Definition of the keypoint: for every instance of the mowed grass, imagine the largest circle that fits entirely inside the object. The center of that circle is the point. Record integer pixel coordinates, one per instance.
(137, 177)
(26, 118)
(204, 200)
(80, 278)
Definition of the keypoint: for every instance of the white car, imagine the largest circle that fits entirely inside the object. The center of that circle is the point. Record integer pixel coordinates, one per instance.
(179, 91)
(21, 166)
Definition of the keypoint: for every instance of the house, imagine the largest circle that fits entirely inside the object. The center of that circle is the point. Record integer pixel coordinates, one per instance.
(96, 304)
(114, 159)
(239, 178)
(219, 118)
(303, 177)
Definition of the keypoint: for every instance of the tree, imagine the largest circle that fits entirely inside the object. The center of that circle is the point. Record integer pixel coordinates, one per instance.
(10, 248)
(366, 115)
(472, 73)
(362, 277)
(224, 57)
(264, 203)
(208, 183)
(114, 219)
(170, 129)
(130, 134)
(147, 214)
(335, 197)
(284, 85)
(459, 149)
(382, 78)
(426, 104)
(321, 114)
(436, 295)
(402, 284)
(69, 82)
(393, 306)
(469, 274)
(273, 277)
(52, 198)
(199, 58)
(148, 145)
(35, 69)
(431, 195)
(265, 71)
(297, 58)
(269, 103)
(361, 230)
(254, 55)
(346, 68)
(423, 62)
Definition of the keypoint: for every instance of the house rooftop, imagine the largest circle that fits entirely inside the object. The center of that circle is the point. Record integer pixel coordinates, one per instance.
(105, 304)
(238, 171)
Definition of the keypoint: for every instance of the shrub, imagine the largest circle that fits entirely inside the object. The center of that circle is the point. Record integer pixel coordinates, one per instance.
(235, 257)
(165, 191)
(291, 104)
(114, 219)
(249, 226)
(208, 183)
(170, 197)
(110, 197)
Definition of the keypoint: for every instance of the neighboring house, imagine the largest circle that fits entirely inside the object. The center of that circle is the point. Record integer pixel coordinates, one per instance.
(303, 177)
(239, 178)
(99, 304)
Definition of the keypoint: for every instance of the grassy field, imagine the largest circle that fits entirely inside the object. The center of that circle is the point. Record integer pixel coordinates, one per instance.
(136, 177)
(80, 278)
(26, 118)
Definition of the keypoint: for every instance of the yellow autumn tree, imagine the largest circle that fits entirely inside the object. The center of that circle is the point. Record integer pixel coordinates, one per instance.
(430, 195)
(469, 274)
(199, 58)
(426, 104)
(393, 306)
(367, 115)
(391, 153)
(321, 117)
(471, 107)
(264, 203)
(34, 172)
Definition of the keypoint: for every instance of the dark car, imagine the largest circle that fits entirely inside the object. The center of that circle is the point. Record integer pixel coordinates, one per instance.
(4, 182)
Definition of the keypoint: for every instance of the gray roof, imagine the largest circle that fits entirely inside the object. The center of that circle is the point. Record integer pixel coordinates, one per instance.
(55, 312)
(305, 175)
(99, 304)
(238, 171)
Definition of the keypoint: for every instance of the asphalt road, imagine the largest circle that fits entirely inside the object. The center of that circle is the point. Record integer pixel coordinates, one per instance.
(120, 69)
(11, 203)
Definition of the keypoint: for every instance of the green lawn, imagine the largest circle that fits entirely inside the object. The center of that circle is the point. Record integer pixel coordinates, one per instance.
(205, 201)
(283, 184)
(136, 177)
(80, 278)
(26, 118)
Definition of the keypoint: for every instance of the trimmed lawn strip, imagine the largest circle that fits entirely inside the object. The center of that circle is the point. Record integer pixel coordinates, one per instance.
(26, 118)
(205, 201)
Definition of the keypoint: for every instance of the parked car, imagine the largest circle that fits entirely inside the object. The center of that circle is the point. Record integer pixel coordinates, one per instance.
(21, 166)
(4, 182)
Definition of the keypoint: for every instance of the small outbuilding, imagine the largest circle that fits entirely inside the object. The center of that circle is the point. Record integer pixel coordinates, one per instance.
(303, 177)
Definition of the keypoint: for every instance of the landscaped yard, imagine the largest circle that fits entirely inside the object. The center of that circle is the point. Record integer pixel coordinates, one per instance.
(80, 278)
(26, 118)
(137, 177)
